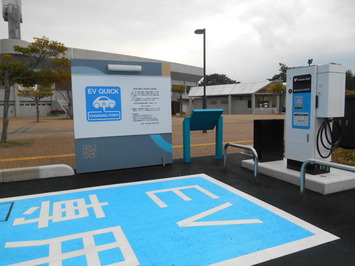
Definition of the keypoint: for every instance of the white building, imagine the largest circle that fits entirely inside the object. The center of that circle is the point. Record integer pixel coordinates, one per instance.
(241, 98)
(23, 106)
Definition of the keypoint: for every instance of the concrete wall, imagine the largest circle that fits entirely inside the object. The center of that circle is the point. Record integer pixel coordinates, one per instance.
(218, 103)
(241, 107)
(7, 45)
(12, 108)
(25, 106)
(27, 109)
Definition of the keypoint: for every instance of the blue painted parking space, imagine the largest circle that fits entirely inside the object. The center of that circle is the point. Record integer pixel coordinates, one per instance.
(190, 220)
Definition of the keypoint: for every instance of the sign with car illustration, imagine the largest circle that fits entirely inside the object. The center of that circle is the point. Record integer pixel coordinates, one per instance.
(122, 114)
(103, 104)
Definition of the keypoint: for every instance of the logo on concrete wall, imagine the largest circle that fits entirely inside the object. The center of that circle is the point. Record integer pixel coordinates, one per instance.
(103, 104)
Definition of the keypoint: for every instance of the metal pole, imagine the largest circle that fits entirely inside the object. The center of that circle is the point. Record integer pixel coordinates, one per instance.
(325, 163)
(255, 157)
(204, 103)
(204, 98)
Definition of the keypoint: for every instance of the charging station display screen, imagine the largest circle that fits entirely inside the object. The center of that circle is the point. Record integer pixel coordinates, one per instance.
(302, 83)
(301, 101)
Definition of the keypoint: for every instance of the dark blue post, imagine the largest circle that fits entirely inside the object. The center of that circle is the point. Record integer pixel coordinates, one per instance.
(186, 140)
(219, 138)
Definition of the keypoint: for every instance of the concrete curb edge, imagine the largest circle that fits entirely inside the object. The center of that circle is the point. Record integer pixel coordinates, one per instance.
(36, 172)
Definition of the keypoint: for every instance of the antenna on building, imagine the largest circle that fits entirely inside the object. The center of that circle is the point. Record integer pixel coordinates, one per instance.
(12, 13)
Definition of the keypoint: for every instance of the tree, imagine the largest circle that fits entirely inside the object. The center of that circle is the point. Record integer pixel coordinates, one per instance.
(36, 94)
(350, 81)
(179, 89)
(217, 79)
(282, 75)
(277, 88)
(41, 62)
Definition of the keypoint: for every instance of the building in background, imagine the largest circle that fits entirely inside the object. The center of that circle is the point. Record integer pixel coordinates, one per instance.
(23, 106)
(241, 98)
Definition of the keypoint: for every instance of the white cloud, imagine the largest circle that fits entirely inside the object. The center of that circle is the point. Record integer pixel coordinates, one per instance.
(245, 39)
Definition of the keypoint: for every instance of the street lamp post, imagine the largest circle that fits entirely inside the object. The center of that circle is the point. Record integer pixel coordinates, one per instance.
(204, 99)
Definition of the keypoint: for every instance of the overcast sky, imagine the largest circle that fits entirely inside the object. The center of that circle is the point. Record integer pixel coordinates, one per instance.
(246, 39)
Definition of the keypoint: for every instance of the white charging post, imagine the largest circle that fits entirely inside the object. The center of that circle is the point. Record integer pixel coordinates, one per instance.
(315, 95)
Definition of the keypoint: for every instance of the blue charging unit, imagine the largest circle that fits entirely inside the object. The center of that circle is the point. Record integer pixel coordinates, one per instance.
(203, 119)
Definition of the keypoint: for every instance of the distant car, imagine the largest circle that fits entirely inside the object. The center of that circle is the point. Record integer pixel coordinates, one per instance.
(104, 102)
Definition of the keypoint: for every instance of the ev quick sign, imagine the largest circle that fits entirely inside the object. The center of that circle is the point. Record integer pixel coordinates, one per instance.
(122, 114)
(103, 103)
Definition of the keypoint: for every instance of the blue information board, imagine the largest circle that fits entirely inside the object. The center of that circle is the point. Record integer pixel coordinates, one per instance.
(103, 103)
(122, 119)
(191, 220)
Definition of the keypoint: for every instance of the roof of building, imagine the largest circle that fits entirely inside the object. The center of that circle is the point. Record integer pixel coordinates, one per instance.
(180, 73)
(229, 89)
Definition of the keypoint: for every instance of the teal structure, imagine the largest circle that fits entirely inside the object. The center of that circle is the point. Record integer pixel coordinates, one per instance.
(203, 119)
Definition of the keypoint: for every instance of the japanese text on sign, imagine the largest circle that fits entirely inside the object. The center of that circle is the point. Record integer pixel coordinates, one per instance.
(145, 105)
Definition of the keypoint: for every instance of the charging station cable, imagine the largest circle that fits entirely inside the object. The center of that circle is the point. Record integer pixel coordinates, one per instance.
(325, 136)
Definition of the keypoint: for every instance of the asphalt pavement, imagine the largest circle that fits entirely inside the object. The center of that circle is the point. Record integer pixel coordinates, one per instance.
(333, 213)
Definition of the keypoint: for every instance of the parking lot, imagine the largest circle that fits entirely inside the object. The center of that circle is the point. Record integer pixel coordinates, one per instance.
(51, 141)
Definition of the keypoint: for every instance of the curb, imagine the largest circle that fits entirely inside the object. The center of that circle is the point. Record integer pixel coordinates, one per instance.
(36, 172)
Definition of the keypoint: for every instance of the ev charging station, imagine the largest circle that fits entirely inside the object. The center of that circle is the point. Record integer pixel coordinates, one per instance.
(315, 95)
